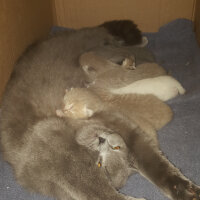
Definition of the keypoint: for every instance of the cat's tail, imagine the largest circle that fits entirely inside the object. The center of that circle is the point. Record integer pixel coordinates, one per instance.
(125, 30)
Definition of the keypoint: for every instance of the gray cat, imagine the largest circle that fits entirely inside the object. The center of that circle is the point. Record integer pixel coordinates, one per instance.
(42, 148)
(113, 158)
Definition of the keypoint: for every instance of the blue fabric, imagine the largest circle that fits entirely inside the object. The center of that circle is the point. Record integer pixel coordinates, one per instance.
(176, 49)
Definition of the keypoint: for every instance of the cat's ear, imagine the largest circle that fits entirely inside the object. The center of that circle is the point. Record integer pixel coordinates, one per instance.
(88, 112)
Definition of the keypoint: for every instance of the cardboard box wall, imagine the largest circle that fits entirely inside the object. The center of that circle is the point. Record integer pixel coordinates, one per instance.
(24, 21)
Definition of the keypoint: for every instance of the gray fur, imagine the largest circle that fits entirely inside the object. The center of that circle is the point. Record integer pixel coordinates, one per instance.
(42, 147)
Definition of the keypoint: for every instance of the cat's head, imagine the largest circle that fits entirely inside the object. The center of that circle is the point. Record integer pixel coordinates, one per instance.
(93, 65)
(75, 103)
(113, 159)
(112, 149)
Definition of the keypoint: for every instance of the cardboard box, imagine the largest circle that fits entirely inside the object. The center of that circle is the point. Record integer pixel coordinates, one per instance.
(22, 22)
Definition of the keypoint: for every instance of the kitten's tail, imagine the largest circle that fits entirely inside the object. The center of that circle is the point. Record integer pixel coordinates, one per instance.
(125, 30)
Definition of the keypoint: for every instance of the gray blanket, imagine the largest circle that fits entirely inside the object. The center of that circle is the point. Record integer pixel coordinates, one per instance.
(176, 49)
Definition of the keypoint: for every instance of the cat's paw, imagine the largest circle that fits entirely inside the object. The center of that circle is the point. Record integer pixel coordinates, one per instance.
(129, 63)
(59, 113)
(89, 84)
(87, 112)
(186, 191)
(68, 90)
(85, 68)
(194, 191)
(144, 42)
(89, 71)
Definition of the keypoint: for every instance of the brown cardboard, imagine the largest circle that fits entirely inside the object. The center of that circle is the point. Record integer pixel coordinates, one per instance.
(21, 23)
(197, 20)
(24, 21)
(149, 15)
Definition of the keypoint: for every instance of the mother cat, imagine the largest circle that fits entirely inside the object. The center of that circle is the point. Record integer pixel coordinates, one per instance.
(42, 148)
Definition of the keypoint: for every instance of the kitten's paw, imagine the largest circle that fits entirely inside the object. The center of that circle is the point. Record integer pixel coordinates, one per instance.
(85, 68)
(87, 112)
(59, 113)
(129, 63)
(90, 71)
(144, 42)
(89, 84)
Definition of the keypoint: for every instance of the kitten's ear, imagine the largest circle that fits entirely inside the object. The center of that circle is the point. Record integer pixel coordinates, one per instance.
(88, 111)
(91, 71)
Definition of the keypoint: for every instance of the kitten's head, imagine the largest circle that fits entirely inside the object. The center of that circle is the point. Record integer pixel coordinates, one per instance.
(78, 103)
(93, 65)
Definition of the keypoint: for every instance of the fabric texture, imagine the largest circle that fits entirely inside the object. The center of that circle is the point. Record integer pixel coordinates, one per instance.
(176, 49)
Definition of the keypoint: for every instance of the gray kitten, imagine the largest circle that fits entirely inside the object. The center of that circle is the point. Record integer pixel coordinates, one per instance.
(42, 147)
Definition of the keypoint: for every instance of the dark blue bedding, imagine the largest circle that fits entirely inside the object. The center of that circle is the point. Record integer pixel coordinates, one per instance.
(176, 49)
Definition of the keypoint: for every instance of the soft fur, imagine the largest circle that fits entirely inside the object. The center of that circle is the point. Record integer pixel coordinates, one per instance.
(124, 30)
(106, 74)
(80, 103)
(94, 65)
(106, 77)
(42, 148)
(163, 87)
(113, 156)
(103, 74)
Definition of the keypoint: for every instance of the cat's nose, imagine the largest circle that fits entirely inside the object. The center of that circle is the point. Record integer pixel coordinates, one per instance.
(101, 140)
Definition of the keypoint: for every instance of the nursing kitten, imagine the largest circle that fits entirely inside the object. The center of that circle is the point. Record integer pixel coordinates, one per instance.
(118, 54)
(125, 31)
(94, 65)
(107, 76)
(80, 103)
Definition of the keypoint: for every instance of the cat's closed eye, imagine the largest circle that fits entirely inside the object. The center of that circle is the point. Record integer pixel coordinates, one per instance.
(69, 107)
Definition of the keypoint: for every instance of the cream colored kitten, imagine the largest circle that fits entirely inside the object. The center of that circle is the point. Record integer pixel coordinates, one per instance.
(80, 103)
